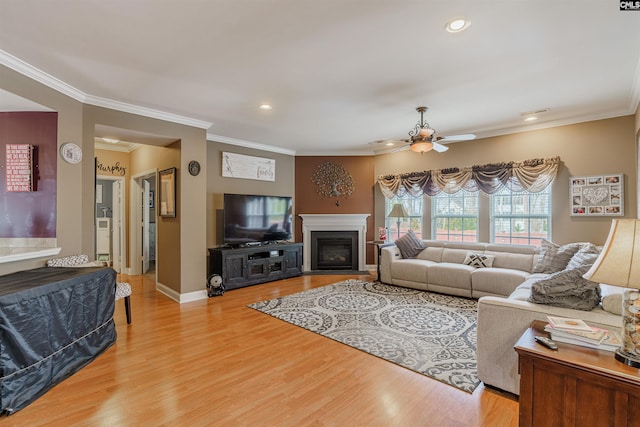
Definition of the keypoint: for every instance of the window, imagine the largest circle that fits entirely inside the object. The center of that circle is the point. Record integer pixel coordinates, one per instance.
(521, 218)
(455, 217)
(413, 206)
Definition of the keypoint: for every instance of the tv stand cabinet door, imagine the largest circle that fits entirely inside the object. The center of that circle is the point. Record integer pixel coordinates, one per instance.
(234, 270)
(293, 260)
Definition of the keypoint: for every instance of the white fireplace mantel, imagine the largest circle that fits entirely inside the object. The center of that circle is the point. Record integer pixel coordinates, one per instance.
(333, 222)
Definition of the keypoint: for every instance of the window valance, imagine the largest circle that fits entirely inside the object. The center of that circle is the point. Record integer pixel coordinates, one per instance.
(531, 175)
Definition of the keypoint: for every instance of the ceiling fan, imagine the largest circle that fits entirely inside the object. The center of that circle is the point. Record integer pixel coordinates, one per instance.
(422, 137)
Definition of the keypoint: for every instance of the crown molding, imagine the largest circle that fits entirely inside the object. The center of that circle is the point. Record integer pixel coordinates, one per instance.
(18, 65)
(146, 112)
(48, 80)
(248, 144)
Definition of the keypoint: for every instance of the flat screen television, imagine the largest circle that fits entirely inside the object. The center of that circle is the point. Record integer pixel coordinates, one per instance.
(253, 219)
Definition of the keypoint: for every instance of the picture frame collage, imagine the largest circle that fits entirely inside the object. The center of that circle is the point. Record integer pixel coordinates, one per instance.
(598, 195)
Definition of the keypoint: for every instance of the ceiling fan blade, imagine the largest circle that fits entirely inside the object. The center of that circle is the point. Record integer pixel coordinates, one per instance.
(456, 138)
(439, 147)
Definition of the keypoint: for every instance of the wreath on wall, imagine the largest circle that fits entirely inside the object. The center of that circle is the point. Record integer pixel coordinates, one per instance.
(332, 180)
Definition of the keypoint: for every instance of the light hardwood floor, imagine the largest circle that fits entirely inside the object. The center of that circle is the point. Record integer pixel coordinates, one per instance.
(216, 362)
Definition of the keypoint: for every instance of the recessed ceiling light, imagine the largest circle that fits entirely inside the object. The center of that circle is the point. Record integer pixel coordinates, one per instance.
(458, 24)
(390, 144)
(265, 107)
(531, 116)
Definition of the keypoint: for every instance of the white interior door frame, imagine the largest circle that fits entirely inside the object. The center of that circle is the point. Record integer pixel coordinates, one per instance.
(118, 224)
(136, 218)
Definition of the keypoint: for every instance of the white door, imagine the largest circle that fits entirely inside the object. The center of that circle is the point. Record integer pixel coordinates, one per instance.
(116, 224)
(145, 225)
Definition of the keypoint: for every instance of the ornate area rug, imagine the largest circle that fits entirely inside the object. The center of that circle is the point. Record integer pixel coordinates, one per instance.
(429, 333)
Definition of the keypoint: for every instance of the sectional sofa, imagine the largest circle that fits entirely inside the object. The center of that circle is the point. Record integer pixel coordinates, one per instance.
(503, 286)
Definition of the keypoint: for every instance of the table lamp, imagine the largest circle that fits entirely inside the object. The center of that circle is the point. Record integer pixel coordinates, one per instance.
(398, 211)
(619, 265)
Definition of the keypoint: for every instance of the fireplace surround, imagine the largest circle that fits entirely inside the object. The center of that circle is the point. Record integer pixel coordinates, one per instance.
(334, 223)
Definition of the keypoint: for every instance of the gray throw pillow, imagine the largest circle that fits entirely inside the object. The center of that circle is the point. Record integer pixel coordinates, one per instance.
(586, 255)
(410, 245)
(567, 289)
(554, 257)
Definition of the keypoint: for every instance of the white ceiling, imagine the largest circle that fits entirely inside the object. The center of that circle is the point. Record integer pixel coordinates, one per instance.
(339, 73)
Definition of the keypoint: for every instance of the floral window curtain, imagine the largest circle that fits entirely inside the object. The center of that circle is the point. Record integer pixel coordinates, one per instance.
(531, 175)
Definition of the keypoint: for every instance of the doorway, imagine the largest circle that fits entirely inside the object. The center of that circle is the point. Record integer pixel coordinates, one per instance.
(110, 222)
(143, 219)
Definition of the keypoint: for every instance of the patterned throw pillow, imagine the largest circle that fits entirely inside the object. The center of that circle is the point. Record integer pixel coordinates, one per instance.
(554, 258)
(587, 255)
(479, 260)
(410, 245)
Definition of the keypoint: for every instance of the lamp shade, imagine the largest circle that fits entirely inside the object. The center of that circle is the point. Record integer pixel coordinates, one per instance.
(619, 261)
(398, 211)
(420, 146)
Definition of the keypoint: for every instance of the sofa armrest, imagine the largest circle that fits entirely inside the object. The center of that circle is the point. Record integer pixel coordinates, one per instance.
(388, 254)
(502, 321)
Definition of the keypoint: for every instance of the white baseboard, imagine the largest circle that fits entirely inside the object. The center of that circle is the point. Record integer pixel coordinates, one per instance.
(181, 298)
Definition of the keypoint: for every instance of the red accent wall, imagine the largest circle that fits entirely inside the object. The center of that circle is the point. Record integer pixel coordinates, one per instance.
(308, 201)
(30, 214)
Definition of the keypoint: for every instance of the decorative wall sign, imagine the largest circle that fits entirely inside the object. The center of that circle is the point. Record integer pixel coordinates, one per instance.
(248, 167)
(19, 167)
(597, 195)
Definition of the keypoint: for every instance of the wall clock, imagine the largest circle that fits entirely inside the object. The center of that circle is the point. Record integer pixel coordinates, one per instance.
(71, 153)
(194, 167)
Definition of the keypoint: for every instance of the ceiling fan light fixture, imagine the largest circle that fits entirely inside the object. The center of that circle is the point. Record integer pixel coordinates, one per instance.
(420, 146)
(426, 132)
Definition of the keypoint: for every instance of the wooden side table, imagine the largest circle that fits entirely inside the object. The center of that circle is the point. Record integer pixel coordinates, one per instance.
(575, 385)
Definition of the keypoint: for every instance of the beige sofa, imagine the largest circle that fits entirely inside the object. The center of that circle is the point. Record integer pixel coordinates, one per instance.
(503, 289)
(440, 268)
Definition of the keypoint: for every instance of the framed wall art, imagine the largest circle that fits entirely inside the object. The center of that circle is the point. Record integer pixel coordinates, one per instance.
(600, 195)
(167, 193)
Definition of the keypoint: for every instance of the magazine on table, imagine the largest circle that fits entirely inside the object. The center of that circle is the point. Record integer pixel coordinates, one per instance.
(566, 323)
(575, 333)
(594, 336)
(611, 342)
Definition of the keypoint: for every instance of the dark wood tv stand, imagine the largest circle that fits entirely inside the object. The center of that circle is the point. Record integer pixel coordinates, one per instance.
(245, 266)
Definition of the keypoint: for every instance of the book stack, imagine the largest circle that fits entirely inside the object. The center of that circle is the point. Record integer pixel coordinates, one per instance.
(578, 332)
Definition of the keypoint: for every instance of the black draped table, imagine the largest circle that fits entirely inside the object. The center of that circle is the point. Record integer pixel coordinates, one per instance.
(53, 321)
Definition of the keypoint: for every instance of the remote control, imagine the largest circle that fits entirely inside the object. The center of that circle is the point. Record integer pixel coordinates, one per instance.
(547, 342)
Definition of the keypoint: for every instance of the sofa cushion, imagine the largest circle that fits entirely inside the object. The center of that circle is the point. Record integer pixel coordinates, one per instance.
(567, 289)
(409, 244)
(554, 258)
(456, 256)
(431, 253)
(611, 298)
(412, 270)
(478, 260)
(496, 281)
(452, 275)
(516, 261)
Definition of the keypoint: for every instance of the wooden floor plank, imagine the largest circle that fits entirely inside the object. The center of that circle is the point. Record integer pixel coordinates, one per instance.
(216, 362)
